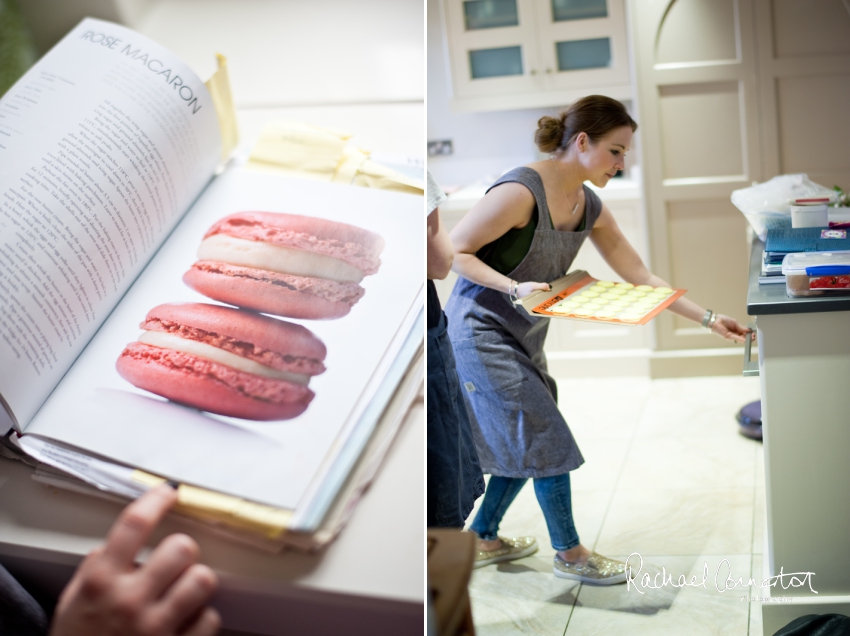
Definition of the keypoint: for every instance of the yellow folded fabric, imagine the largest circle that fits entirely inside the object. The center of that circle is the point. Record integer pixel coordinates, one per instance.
(227, 510)
(374, 175)
(311, 152)
(299, 150)
(348, 166)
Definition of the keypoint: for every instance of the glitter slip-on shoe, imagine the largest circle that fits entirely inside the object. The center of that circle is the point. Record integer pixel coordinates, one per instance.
(512, 548)
(598, 570)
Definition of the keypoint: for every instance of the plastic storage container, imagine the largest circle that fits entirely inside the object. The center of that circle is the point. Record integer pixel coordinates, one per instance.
(810, 213)
(816, 273)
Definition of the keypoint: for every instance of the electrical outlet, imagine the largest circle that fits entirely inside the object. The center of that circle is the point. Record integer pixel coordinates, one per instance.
(441, 147)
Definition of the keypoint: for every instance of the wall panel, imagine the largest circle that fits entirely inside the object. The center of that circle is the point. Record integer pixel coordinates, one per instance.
(804, 28)
(814, 112)
(701, 132)
(697, 31)
(708, 247)
(697, 82)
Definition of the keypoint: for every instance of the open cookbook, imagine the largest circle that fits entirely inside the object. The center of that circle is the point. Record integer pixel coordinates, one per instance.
(252, 337)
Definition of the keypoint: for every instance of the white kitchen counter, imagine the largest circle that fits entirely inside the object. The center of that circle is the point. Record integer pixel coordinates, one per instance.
(804, 368)
(461, 201)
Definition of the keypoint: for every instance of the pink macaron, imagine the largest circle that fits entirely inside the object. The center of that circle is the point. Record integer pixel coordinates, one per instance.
(285, 264)
(224, 360)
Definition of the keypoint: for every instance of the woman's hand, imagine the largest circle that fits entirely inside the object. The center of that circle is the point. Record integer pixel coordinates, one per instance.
(524, 289)
(730, 329)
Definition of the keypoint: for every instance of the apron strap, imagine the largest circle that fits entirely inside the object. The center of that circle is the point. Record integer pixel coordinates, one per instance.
(530, 178)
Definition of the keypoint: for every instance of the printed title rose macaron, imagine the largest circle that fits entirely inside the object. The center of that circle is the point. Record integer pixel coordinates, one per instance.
(285, 264)
(224, 360)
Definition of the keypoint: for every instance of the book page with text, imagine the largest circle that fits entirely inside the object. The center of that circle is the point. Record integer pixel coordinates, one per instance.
(104, 144)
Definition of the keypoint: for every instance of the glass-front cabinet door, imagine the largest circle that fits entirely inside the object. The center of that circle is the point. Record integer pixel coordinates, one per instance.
(528, 53)
(582, 43)
(492, 46)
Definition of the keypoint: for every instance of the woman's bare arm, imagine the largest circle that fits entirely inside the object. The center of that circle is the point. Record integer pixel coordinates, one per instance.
(625, 261)
(440, 251)
(505, 207)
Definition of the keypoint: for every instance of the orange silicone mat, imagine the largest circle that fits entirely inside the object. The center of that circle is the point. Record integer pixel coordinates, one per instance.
(628, 306)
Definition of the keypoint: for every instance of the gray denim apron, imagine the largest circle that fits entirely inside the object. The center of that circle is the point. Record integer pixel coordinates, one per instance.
(511, 398)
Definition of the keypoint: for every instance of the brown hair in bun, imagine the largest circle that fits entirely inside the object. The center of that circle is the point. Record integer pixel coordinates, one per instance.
(595, 115)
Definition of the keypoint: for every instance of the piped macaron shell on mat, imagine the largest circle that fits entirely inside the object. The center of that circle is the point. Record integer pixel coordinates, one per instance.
(608, 301)
(224, 360)
(285, 264)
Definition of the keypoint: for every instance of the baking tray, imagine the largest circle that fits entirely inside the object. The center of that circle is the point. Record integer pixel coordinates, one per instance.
(613, 303)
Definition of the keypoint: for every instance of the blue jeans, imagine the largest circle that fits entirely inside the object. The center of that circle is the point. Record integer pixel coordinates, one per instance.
(553, 494)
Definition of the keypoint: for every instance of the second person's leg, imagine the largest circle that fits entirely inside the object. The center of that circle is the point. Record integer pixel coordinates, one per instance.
(500, 493)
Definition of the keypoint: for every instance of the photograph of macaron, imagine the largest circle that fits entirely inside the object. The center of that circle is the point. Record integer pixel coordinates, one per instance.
(285, 264)
(225, 361)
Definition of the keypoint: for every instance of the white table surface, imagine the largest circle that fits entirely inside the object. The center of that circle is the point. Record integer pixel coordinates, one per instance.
(351, 66)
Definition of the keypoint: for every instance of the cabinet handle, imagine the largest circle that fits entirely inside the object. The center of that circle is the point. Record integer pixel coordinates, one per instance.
(534, 71)
(750, 368)
(548, 70)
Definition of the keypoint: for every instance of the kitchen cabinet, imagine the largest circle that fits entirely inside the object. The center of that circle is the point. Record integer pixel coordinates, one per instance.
(804, 369)
(506, 54)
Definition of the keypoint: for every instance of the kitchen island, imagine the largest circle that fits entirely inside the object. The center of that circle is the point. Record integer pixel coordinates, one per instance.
(804, 369)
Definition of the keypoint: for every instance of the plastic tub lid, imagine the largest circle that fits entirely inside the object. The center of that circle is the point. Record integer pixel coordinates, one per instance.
(812, 200)
(816, 264)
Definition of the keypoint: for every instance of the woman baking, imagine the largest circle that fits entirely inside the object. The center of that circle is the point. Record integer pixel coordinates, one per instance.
(526, 231)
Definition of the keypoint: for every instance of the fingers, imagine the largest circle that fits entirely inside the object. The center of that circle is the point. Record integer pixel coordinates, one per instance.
(167, 562)
(185, 601)
(207, 624)
(739, 337)
(526, 288)
(731, 329)
(729, 334)
(728, 331)
(739, 334)
(135, 524)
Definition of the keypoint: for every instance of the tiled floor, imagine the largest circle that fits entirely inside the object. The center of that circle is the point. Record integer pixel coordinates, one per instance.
(666, 475)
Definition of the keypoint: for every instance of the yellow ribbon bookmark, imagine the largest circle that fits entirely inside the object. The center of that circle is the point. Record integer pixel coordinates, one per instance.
(219, 88)
(216, 507)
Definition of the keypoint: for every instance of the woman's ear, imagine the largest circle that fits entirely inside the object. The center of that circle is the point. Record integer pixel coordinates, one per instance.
(582, 142)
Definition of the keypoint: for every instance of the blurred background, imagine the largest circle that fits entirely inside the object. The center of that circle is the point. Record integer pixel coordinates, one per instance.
(327, 63)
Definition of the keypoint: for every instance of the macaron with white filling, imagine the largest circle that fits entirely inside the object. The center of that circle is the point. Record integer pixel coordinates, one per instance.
(225, 361)
(285, 264)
